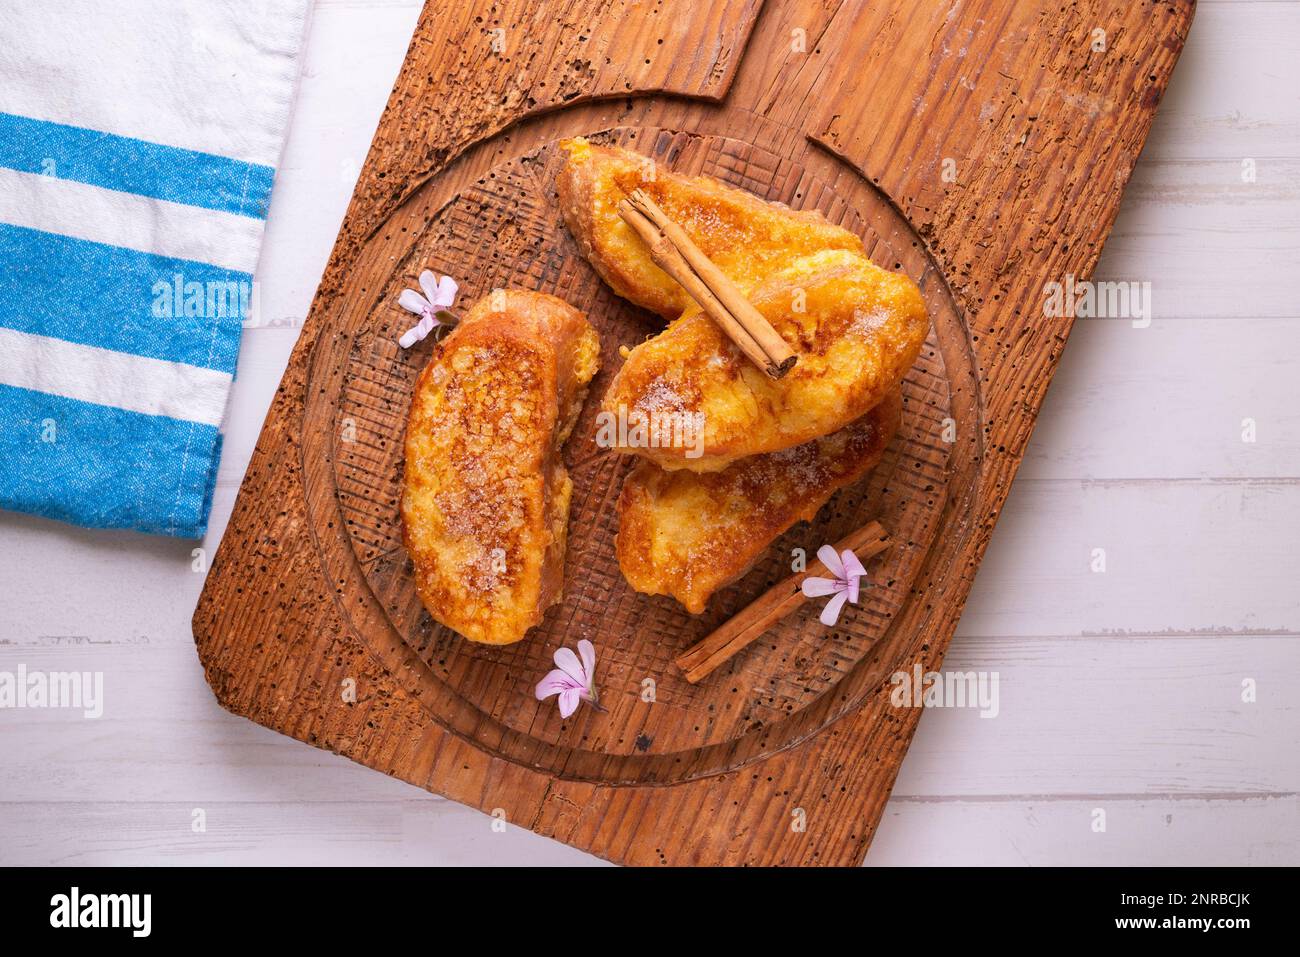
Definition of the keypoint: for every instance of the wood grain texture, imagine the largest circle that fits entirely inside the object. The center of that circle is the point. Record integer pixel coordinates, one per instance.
(278, 635)
(472, 68)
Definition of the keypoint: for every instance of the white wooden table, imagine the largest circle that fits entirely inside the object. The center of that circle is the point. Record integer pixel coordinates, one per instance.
(1120, 690)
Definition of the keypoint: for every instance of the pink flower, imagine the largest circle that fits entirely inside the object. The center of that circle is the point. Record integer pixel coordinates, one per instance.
(843, 587)
(573, 680)
(438, 296)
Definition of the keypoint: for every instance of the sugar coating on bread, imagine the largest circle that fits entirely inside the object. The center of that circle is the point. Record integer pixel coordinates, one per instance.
(854, 327)
(687, 534)
(744, 236)
(485, 500)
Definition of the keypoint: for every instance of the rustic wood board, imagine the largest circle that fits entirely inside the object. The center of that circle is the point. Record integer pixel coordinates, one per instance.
(980, 147)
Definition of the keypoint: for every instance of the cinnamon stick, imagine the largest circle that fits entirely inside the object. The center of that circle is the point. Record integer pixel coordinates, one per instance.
(780, 600)
(675, 253)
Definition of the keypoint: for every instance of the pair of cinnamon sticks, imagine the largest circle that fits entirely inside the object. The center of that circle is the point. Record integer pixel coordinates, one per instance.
(742, 628)
(676, 254)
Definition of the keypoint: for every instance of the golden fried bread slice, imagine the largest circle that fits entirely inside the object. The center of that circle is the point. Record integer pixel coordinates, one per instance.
(687, 534)
(744, 235)
(485, 499)
(856, 328)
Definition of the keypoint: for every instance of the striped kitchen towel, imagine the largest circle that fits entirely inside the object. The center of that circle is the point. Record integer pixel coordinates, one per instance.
(138, 144)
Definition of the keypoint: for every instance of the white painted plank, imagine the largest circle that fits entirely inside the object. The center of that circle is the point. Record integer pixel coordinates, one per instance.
(61, 582)
(76, 584)
(1236, 89)
(1171, 401)
(1075, 716)
(1123, 716)
(162, 736)
(1211, 245)
(1257, 831)
(427, 831)
(1185, 557)
(1233, 93)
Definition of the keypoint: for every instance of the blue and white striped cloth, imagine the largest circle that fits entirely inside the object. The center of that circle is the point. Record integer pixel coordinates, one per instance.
(138, 145)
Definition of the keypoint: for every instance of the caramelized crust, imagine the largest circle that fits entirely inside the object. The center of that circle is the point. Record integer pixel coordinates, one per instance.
(856, 328)
(485, 500)
(695, 514)
(687, 534)
(745, 236)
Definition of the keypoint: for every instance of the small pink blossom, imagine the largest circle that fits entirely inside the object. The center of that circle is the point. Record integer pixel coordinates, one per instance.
(439, 294)
(843, 587)
(574, 679)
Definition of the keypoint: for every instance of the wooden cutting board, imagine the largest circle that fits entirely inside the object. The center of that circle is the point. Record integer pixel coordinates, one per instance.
(982, 147)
